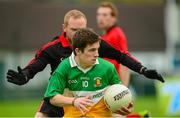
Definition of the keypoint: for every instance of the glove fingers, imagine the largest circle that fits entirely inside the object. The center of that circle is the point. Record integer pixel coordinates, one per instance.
(10, 80)
(9, 77)
(160, 78)
(13, 81)
(11, 72)
(19, 69)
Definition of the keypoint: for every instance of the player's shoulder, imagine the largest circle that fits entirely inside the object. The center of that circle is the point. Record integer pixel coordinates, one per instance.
(64, 65)
(65, 62)
(114, 32)
(117, 29)
(51, 43)
(48, 47)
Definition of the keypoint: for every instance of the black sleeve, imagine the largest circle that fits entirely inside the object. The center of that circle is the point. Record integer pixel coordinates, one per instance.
(107, 51)
(37, 64)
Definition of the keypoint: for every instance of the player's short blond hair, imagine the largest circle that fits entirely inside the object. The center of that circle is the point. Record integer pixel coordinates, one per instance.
(73, 14)
(114, 10)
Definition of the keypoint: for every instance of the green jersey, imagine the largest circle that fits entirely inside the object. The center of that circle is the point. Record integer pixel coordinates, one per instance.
(82, 82)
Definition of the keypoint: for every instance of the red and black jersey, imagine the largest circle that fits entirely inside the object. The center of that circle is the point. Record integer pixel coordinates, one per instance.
(117, 39)
(55, 51)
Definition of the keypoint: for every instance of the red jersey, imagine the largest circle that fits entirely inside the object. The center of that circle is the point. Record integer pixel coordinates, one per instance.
(117, 39)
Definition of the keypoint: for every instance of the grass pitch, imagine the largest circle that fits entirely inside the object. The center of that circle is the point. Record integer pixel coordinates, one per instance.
(28, 108)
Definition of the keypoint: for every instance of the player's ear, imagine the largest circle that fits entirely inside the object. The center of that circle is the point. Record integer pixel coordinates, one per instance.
(78, 51)
(64, 27)
(114, 19)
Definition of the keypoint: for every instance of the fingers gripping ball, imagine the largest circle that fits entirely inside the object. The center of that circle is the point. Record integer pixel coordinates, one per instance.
(117, 96)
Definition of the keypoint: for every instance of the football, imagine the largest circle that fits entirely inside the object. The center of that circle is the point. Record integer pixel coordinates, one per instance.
(117, 96)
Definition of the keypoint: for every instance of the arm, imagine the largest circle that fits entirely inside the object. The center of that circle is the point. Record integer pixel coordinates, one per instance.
(60, 100)
(124, 75)
(37, 64)
(80, 103)
(56, 88)
(107, 51)
(22, 76)
(123, 70)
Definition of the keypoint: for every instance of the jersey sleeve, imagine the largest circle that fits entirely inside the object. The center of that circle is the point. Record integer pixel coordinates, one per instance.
(41, 59)
(57, 83)
(107, 51)
(113, 76)
(37, 64)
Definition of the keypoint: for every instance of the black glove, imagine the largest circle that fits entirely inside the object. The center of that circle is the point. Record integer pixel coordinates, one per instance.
(152, 74)
(19, 78)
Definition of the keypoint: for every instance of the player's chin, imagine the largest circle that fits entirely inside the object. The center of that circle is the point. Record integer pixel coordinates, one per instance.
(101, 25)
(93, 61)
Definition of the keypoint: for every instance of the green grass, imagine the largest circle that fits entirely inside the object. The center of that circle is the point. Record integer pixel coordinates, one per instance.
(28, 108)
(148, 103)
(19, 108)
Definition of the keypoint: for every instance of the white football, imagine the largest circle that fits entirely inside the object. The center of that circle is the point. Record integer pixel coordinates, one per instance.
(117, 96)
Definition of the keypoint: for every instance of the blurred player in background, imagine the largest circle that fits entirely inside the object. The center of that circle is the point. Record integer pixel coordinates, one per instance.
(79, 74)
(60, 48)
(107, 15)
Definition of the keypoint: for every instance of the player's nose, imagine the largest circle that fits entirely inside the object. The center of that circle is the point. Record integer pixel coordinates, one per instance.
(96, 54)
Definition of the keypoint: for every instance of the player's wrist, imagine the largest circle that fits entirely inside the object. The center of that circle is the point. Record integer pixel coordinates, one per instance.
(73, 101)
(26, 74)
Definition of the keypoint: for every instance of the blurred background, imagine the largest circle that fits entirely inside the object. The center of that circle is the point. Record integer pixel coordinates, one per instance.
(152, 28)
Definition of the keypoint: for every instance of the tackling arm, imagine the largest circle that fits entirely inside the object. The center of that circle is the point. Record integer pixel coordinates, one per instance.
(22, 76)
(109, 52)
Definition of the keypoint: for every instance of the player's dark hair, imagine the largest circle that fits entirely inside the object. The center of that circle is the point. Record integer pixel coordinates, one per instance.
(84, 37)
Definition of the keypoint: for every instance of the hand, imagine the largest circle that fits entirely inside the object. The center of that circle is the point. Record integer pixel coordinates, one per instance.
(125, 110)
(152, 74)
(82, 103)
(18, 78)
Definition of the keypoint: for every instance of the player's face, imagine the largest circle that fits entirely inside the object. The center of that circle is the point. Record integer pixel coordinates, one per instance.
(104, 18)
(73, 25)
(89, 56)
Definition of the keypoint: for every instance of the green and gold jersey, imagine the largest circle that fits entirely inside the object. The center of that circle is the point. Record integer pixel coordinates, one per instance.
(92, 81)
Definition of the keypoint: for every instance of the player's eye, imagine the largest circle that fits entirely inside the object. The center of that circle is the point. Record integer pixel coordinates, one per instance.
(93, 49)
(74, 29)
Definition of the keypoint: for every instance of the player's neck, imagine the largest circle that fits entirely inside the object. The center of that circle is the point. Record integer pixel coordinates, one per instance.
(105, 30)
(69, 40)
(81, 64)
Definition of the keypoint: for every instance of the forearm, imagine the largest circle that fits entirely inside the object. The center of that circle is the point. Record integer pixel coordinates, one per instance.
(34, 68)
(124, 75)
(37, 64)
(60, 100)
(131, 63)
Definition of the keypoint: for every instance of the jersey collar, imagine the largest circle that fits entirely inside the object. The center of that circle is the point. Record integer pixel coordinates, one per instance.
(74, 64)
(64, 41)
